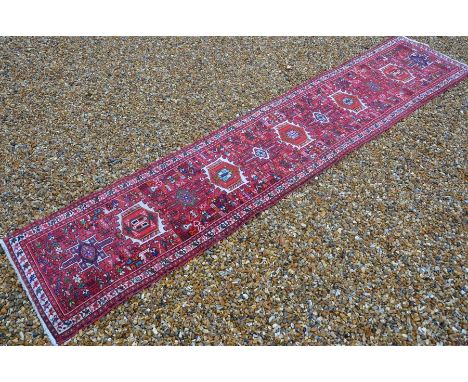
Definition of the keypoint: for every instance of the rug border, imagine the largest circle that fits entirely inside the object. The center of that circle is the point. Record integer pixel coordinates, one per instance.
(18, 275)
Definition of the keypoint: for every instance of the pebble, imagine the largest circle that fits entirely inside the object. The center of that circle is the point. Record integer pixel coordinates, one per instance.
(79, 113)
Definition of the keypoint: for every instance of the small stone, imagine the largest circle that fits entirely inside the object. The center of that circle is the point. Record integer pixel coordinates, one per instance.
(422, 331)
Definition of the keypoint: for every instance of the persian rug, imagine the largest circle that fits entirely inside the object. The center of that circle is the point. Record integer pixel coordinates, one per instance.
(83, 260)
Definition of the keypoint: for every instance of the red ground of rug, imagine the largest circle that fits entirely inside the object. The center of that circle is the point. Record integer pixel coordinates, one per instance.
(80, 262)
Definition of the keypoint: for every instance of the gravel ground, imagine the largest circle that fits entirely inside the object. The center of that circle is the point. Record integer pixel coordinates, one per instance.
(372, 252)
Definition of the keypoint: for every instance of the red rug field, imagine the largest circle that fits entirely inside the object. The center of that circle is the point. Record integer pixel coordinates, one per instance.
(83, 260)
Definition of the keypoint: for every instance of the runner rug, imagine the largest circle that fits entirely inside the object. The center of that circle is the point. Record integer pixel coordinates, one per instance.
(83, 260)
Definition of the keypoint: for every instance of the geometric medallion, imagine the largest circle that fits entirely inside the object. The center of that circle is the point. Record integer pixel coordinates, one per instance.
(397, 73)
(140, 223)
(260, 153)
(87, 253)
(225, 175)
(348, 101)
(292, 134)
(322, 118)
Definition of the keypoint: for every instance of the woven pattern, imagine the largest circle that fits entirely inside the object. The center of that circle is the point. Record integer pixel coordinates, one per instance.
(83, 260)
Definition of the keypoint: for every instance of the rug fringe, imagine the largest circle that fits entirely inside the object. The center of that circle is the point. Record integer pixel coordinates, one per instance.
(44, 326)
